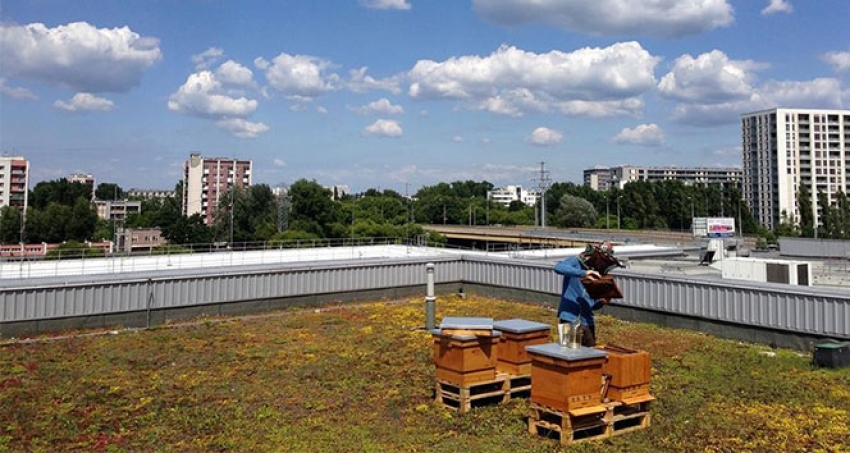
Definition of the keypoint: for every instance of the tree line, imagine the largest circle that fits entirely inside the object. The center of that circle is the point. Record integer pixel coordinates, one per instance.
(63, 211)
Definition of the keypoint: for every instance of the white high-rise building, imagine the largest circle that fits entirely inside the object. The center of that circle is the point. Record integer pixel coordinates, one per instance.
(785, 148)
(206, 180)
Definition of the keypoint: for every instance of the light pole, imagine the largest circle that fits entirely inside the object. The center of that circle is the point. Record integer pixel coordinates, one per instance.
(618, 211)
(487, 209)
(607, 211)
(692, 214)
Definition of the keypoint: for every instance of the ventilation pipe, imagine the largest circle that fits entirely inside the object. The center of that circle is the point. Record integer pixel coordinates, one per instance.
(429, 297)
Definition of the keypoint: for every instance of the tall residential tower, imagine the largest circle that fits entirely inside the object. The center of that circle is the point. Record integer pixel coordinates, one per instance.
(207, 180)
(786, 148)
(14, 180)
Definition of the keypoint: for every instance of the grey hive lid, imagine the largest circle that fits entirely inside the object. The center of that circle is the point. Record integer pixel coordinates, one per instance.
(557, 351)
(520, 326)
(456, 322)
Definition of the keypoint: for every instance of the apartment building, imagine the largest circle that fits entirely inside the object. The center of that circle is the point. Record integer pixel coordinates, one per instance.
(505, 195)
(207, 180)
(785, 148)
(14, 182)
(598, 178)
(117, 210)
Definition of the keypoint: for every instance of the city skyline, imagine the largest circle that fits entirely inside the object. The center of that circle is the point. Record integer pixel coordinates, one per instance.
(402, 94)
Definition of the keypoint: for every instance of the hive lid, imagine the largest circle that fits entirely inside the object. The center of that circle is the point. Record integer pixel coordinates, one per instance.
(557, 351)
(457, 322)
(465, 336)
(520, 326)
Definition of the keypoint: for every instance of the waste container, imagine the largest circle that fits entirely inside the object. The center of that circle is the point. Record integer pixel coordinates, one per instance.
(832, 354)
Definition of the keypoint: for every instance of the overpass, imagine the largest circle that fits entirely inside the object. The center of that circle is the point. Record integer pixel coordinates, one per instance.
(523, 236)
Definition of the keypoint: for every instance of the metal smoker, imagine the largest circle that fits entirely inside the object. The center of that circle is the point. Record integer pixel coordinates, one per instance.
(569, 335)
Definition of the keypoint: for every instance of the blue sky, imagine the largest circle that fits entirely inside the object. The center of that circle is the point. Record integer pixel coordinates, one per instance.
(404, 93)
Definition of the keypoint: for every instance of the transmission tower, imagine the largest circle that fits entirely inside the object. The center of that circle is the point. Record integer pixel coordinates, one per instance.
(542, 180)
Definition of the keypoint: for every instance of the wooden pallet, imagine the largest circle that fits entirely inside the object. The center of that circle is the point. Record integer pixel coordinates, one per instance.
(464, 397)
(589, 423)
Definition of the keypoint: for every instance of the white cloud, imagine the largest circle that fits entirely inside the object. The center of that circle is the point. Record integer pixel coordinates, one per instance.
(512, 82)
(207, 58)
(840, 61)
(642, 134)
(78, 55)
(360, 82)
(710, 78)
(85, 102)
(386, 4)
(235, 74)
(817, 93)
(321, 110)
(299, 76)
(201, 96)
(777, 6)
(16, 92)
(457, 139)
(382, 106)
(384, 128)
(543, 136)
(665, 18)
(241, 128)
(279, 163)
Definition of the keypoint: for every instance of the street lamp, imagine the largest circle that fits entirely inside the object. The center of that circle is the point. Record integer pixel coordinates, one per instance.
(607, 211)
(618, 211)
(692, 213)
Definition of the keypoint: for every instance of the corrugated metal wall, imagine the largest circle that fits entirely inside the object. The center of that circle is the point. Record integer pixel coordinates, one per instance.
(808, 310)
(814, 248)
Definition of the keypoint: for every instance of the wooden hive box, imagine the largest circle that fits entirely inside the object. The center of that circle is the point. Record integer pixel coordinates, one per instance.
(630, 371)
(516, 335)
(465, 350)
(566, 379)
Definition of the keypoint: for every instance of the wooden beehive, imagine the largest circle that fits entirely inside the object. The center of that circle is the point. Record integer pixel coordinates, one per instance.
(566, 379)
(465, 350)
(516, 335)
(630, 371)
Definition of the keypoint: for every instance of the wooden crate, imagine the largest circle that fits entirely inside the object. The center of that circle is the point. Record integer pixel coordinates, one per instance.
(566, 384)
(630, 372)
(465, 359)
(590, 423)
(465, 397)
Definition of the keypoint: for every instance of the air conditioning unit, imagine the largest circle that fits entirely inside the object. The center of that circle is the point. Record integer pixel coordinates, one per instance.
(769, 271)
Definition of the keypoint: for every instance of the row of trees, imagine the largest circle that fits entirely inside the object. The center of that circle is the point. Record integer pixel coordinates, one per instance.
(835, 218)
(60, 211)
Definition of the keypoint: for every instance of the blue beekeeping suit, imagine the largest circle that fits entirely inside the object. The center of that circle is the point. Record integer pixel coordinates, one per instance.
(575, 301)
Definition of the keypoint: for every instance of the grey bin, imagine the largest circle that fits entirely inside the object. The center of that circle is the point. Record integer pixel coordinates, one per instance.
(832, 354)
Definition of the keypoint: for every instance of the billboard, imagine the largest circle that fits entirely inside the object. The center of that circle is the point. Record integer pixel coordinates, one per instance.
(713, 227)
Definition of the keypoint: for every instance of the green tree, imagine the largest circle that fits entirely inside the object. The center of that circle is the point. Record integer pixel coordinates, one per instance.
(807, 216)
(109, 191)
(58, 191)
(83, 221)
(311, 207)
(574, 211)
(10, 225)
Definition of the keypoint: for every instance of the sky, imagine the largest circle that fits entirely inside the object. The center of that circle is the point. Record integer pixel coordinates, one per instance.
(400, 94)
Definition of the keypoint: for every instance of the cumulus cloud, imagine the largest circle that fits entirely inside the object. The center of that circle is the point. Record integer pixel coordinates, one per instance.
(16, 92)
(777, 6)
(77, 55)
(384, 128)
(202, 96)
(543, 136)
(299, 77)
(382, 106)
(209, 94)
(817, 93)
(386, 4)
(510, 81)
(241, 127)
(664, 18)
(360, 82)
(279, 163)
(840, 61)
(642, 134)
(207, 58)
(710, 77)
(234, 73)
(85, 102)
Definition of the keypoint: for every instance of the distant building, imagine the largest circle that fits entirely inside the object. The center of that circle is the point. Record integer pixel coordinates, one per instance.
(14, 181)
(598, 178)
(338, 191)
(139, 240)
(117, 210)
(150, 193)
(784, 149)
(699, 176)
(207, 180)
(83, 178)
(506, 195)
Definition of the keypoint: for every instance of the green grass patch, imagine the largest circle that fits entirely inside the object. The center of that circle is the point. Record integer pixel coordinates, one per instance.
(360, 378)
